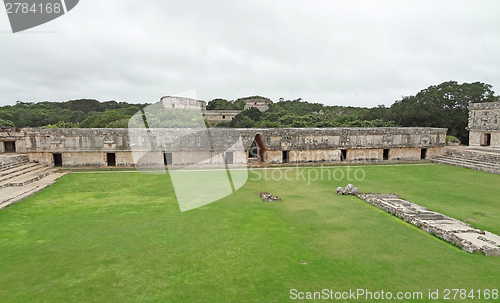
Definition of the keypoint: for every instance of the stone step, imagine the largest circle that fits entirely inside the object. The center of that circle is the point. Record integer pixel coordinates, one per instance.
(17, 171)
(480, 159)
(473, 155)
(12, 161)
(484, 167)
(24, 179)
(469, 161)
(13, 194)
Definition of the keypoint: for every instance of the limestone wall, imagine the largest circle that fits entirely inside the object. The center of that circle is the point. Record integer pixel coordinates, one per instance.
(478, 138)
(484, 116)
(220, 115)
(90, 147)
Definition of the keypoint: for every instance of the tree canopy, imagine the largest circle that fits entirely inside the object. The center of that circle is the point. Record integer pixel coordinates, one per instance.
(444, 105)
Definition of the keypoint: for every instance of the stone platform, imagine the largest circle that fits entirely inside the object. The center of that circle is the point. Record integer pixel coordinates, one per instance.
(20, 178)
(450, 229)
(479, 158)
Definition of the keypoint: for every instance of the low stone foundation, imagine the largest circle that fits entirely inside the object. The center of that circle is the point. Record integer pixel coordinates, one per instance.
(447, 228)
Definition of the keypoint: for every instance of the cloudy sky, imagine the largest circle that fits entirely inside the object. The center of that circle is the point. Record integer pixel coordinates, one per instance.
(360, 53)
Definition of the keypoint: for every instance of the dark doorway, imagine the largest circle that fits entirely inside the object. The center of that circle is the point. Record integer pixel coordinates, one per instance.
(487, 139)
(423, 153)
(111, 158)
(57, 160)
(167, 158)
(229, 157)
(343, 155)
(10, 147)
(285, 156)
(386, 154)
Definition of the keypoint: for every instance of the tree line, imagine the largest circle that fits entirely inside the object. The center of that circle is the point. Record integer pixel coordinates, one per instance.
(444, 105)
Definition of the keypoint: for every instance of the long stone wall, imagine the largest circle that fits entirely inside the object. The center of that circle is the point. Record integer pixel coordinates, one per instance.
(125, 147)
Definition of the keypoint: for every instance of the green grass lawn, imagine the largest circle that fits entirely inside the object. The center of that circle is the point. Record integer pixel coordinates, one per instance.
(120, 237)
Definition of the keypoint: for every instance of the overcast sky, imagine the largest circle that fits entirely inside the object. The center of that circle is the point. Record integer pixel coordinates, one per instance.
(359, 53)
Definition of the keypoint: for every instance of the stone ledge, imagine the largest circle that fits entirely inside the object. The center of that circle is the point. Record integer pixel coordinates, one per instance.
(447, 228)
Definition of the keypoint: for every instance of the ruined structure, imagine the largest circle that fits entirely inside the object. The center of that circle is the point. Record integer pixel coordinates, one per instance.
(183, 103)
(484, 124)
(116, 147)
(220, 115)
(216, 116)
(483, 152)
(261, 104)
(450, 229)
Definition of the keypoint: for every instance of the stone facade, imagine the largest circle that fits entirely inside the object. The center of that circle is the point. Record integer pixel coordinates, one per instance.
(220, 115)
(182, 103)
(484, 124)
(127, 147)
(261, 103)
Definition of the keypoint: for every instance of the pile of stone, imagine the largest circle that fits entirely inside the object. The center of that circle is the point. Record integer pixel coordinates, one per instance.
(348, 190)
(267, 197)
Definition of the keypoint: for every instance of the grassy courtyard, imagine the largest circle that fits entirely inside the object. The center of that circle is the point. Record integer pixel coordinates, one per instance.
(120, 237)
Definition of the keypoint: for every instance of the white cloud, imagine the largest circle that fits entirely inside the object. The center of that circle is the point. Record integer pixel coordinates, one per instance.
(360, 53)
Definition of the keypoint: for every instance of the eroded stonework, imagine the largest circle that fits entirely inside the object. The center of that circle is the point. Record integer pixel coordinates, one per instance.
(484, 124)
(452, 230)
(93, 147)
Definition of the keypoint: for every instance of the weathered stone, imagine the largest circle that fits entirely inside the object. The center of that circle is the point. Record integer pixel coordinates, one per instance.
(340, 190)
(348, 190)
(267, 197)
(484, 124)
(447, 228)
(88, 147)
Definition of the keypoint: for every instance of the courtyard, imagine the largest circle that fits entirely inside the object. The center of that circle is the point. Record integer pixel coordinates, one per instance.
(120, 237)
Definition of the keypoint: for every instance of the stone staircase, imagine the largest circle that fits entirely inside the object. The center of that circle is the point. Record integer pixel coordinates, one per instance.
(20, 178)
(486, 161)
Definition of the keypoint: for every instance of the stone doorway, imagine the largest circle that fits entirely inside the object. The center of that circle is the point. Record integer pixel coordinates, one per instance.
(229, 157)
(10, 146)
(111, 159)
(285, 156)
(386, 154)
(343, 155)
(423, 154)
(486, 140)
(57, 160)
(167, 158)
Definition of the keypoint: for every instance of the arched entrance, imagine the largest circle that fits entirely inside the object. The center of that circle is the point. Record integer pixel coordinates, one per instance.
(258, 150)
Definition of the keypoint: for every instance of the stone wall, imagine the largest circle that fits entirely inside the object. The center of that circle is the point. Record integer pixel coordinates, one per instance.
(12, 134)
(91, 147)
(261, 104)
(484, 124)
(183, 103)
(220, 115)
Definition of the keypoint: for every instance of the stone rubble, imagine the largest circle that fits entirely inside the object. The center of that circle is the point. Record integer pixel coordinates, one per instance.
(447, 228)
(348, 190)
(267, 197)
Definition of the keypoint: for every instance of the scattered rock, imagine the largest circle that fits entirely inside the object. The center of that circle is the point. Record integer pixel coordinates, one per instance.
(267, 197)
(348, 190)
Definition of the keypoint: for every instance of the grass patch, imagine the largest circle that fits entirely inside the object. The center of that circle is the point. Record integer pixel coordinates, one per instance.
(121, 238)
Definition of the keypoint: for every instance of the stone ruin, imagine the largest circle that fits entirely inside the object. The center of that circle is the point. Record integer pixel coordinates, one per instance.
(267, 197)
(450, 229)
(348, 190)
